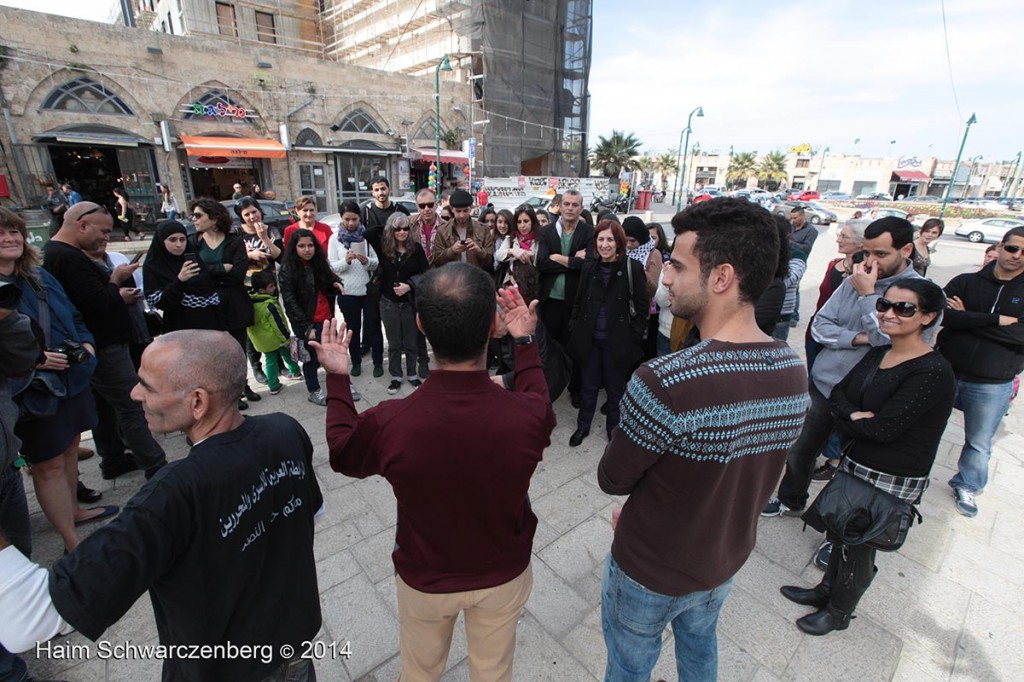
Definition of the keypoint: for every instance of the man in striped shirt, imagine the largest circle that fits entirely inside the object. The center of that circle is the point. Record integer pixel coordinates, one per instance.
(703, 438)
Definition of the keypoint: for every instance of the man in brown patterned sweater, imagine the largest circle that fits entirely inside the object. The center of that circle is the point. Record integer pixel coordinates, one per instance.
(702, 441)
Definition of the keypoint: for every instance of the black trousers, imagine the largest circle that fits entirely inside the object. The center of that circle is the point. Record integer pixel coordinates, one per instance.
(555, 315)
(851, 568)
(818, 425)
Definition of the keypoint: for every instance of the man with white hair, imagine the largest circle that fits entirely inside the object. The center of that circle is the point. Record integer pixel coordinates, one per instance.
(222, 540)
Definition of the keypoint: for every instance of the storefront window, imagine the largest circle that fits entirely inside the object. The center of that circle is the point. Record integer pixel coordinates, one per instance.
(356, 174)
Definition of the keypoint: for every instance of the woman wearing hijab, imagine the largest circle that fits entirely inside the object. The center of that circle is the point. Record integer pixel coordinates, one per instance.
(176, 283)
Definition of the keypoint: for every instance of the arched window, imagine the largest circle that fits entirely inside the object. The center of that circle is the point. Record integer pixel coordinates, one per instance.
(426, 131)
(308, 138)
(86, 96)
(358, 121)
(217, 105)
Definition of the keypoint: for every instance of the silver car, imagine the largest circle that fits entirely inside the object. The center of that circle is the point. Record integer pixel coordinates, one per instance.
(987, 229)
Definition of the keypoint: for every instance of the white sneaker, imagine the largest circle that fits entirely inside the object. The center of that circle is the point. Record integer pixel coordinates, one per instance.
(356, 396)
(318, 397)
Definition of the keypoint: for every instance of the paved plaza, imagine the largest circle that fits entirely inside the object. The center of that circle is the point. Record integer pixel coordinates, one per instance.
(945, 607)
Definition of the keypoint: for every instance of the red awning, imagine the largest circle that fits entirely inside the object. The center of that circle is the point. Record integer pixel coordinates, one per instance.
(912, 176)
(447, 155)
(234, 147)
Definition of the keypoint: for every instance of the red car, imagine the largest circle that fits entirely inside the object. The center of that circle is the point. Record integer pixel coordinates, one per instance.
(804, 195)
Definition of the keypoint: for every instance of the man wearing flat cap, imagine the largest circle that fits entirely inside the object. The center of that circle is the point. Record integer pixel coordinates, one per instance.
(463, 238)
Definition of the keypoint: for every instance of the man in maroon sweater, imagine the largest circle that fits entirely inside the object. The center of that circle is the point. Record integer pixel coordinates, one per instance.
(465, 527)
(702, 440)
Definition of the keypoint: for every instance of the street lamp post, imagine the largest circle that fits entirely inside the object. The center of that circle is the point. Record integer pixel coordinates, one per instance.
(821, 166)
(443, 65)
(681, 179)
(956, 165)
(1013, 176)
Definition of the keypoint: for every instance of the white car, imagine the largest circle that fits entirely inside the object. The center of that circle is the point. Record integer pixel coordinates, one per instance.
(987, 229)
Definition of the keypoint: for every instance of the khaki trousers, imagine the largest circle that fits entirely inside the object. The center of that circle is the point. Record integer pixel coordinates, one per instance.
(428, 620)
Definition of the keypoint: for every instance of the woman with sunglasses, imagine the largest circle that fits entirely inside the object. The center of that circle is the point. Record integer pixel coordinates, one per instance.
(402, 259)
(222, 255)
(891, 410)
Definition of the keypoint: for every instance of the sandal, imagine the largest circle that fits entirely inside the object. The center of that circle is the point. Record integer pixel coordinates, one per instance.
(107, 512)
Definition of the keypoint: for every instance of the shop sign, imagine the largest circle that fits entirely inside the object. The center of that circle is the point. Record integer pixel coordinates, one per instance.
(218, 110)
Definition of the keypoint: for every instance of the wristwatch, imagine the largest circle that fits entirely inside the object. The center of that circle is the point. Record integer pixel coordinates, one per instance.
(523, 340)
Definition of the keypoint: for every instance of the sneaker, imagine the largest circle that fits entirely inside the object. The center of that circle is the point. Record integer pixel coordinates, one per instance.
(821, 556)
(293, 375)
(318, 397)
(775, 507)
(394, 386)
(965, 502)
(242, 405)
(824, 473)
(793, 323)
(378, 371)
(259, 375)
(275, 391)
(423, 370)
(356, 396)
(355, 370)
(415, 383)
(251, 395)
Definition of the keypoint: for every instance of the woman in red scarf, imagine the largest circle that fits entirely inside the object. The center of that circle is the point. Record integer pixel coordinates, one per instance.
(520, 246)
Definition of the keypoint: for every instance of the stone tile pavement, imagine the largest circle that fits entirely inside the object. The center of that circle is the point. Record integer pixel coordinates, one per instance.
(945, 607)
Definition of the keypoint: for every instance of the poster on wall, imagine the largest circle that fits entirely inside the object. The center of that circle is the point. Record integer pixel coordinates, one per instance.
(511, 192)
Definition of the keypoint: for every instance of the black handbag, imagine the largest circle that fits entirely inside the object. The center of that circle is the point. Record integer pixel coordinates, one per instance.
(855, 512)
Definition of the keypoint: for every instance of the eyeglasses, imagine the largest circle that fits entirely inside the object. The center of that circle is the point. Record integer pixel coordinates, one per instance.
(426, 205)
(100, 208)
(1008, 248)
(901, 308)
(401, 229)
(197, 215)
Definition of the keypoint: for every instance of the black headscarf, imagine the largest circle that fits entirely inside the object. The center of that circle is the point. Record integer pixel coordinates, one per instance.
(162, 267)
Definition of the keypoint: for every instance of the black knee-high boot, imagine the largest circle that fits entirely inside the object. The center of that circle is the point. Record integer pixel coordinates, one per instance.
(851, 568)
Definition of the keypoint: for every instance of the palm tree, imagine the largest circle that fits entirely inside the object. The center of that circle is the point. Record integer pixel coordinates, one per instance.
(741, 167)
(616, 153)
(772, 170)
(666, 165)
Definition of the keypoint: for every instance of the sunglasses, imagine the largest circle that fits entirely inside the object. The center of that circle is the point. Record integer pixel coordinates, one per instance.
(901, 308)
(426, 205)
(401, 229)
(100, 208)
(1008, 248)
(197, 215)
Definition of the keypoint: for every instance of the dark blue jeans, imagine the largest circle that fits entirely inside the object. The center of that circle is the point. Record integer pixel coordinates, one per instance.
(633, 618)
(15, 526)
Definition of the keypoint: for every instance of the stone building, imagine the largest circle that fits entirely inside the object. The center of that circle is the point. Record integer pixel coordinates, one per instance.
(107, 105)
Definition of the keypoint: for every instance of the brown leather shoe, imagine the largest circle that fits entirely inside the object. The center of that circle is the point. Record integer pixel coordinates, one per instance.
(85, 453)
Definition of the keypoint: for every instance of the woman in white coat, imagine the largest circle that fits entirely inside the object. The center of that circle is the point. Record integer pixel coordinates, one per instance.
(354, 260)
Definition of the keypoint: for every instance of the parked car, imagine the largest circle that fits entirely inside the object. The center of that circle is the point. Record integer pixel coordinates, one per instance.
(537, 203)
(816, 213)
(924, 199)
(275, 214)
(987, 229)
(706, 195)
(835, 196)
(887, 212)
(875, 196)
(981, 202)
(804, 195)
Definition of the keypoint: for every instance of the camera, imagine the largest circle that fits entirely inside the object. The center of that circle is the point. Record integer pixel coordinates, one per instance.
(72, 350)
(10, 295)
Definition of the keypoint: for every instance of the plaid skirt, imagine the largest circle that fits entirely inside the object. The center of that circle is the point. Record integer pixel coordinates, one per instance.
(906, 488)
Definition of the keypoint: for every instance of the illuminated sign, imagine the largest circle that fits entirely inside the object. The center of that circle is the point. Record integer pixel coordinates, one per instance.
(218, 110)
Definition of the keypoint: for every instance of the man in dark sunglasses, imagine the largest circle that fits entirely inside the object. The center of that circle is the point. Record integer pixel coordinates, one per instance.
(983, 338)
(847, 327)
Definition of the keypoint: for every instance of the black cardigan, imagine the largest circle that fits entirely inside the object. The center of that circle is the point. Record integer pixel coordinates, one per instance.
(911, 402)
(235, 311)
(551, 243)
(395, 272)
(625, 336)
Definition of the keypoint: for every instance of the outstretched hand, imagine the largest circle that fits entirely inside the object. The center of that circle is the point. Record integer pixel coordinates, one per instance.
(520, 318)
(332, 348)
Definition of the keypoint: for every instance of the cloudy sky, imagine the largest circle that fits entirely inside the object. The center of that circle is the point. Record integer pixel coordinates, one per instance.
(822, 73)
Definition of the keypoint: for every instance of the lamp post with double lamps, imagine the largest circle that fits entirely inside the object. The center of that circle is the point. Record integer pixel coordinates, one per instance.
(443, 65)
(681, 175)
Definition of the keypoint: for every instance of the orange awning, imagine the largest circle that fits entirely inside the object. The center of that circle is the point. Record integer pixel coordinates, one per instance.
(234, 147)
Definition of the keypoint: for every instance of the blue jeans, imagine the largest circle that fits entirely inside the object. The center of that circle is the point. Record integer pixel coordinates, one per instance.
(664, 345)
(633, 618)
(15, 525)
(983, 406)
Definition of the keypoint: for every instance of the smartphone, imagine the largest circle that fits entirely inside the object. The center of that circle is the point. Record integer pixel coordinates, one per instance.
(858, 257)
(191, 258)
(465, 242)
(137, 257)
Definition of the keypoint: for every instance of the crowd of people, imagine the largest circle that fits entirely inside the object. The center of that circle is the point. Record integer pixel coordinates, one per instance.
(687, 339)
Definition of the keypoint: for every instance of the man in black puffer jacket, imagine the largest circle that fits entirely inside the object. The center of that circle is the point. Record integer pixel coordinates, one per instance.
(983, 338)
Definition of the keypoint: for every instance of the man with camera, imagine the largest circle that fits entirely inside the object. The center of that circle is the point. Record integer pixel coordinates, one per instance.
(19, 357)
(103, 301)
(463, 239)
